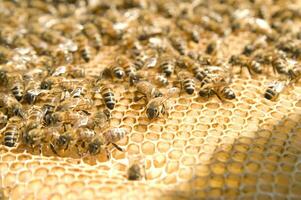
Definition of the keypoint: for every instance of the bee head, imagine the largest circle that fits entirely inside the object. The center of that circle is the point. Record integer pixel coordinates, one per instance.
(152, 113)
(119, 74)
(45, 85)
(94, 147)
(63, 141)
(50, 118)
(30, 97)
(205, 93)
(2, 75)
(230, 95)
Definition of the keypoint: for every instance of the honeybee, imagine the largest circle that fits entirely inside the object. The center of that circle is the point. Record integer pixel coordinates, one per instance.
(95, 146)
(136, 170)
(91, 31)
(31, 95)
(69, 70)
(17, 87)
(86, 141)
(3, 119)
(187, 63)
(240, 60)
(75, 104)
(254, 66)
(114, 70)
(179, 45)
(167, 65)
(3, 77)
(273, 90)
(108, 96)
(161, 79)
(11, 105)
(34, 138)
(221, 89)
(186, 82)
(86, 53)
(146, 90)
(294, 73)
(35, 117)
(157, 106)
(79, 91)
(279, 65)
(113, 135)
(12, 131)
(212, 47)
(77, 119)
(128, 66)
(60, 142)
(46, 84)
(99, 119)
(139, 61)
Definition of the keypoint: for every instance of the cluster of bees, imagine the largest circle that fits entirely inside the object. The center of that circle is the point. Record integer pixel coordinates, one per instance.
(47, 99)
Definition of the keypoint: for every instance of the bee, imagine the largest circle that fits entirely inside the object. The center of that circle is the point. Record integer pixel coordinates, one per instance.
(273, 90)
(79, 92)
(31, 95)
(212, 47)
(95, 146)
(279, 65)
(254, 66)
(46, 85)
(91, 31)
(17, 87)
(99, 119)
(294, 73)
(3, 119)
(108, 96)
(219, 88)
(3, 77)
(167, 65)
(179, 45)
(60, 142)
(69, 70)
(127, 65)
(12, 132)
(161, 79)
(240, 60)
(86, 141)
(136, 170)
(35, 117)
(139, 61)
(11, 105)
(114, 70)
(113, 135)
(187, 63)
(157, 106)
(146, 90)
(86, 53)
(186, 82)
(34, 138)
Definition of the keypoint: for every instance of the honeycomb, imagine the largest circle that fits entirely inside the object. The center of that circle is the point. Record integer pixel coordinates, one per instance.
(246, 148)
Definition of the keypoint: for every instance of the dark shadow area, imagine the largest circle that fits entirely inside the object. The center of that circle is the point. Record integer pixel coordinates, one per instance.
(266, 166)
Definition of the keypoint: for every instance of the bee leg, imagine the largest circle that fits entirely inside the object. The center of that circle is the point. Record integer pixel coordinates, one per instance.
(137, 98)
(108, 153)
(118, 147)
(144, 169)
(53, 149)
(106, 73)
(218, 96)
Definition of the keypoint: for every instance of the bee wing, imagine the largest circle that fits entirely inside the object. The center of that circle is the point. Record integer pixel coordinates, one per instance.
(151, 62)
(81, 121)
(279, 86)
(59, 70)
